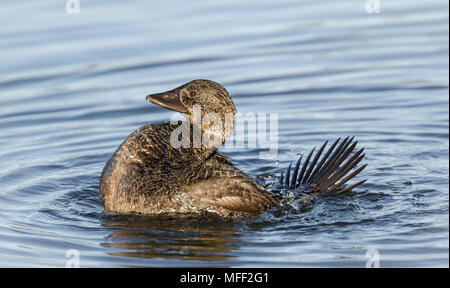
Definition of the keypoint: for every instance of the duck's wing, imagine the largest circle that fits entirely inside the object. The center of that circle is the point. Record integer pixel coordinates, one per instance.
(218, 184)
(218, 165)
(328, 174)
(231, 195)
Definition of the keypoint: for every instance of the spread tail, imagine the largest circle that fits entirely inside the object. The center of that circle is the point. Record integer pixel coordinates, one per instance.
(330, 173)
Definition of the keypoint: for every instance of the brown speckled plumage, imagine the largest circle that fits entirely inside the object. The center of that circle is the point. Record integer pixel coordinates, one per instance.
(147, 175)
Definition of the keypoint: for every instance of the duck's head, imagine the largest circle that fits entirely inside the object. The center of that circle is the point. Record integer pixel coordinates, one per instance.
(210, 96)
(204, 96)
(206, 104)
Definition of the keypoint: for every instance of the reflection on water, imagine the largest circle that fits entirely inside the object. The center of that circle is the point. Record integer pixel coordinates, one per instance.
(72, 87)
(186, 238)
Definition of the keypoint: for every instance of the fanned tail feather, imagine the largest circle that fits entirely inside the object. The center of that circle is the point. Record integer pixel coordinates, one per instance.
(328, 174)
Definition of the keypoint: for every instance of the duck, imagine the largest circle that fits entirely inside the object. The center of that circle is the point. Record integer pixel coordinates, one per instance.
(169, 169)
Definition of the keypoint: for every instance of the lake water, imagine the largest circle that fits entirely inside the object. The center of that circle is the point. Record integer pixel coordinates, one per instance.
(73, 86)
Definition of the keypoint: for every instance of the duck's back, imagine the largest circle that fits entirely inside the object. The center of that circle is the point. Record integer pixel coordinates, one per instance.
(148, 175)
(137, 170)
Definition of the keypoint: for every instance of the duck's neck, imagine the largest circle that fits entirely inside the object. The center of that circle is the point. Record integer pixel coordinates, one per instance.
(210, 133)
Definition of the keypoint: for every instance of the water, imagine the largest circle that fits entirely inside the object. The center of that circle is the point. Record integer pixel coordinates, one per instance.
(72, 88)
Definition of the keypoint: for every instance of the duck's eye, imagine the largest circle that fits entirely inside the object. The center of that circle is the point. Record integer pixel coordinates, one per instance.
(192, 93)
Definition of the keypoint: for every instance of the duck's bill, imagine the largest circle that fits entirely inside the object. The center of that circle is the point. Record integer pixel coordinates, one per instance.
(169, 100)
